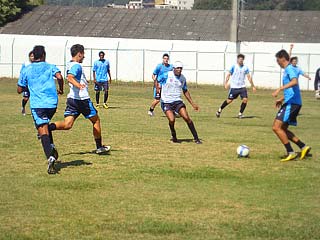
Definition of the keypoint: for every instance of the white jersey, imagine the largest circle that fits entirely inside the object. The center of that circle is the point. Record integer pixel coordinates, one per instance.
(75, 69)
(172, 86)
(238, 76)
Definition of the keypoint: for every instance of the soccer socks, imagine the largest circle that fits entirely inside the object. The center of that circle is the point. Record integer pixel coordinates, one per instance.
(223, 105)
(300, 144)
(193, 130)
(151, 109)
(243, 107)
(98, 142)
(24, 103)
(106, 95)
(289, 148)
(46, 145)
(52, 127)
(97, 97)
(173, 131)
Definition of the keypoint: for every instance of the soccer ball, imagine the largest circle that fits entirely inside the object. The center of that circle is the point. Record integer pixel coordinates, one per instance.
(243, 151)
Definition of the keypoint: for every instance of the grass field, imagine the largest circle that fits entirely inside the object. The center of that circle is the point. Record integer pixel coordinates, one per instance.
(150, 188)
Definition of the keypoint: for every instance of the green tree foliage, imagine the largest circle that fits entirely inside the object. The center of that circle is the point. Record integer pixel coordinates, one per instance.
(212, 4)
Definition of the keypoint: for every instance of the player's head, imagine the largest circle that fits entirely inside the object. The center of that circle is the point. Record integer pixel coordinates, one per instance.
(177, 68)
(294, 61)
(101, 55)
(283, 58)
(165, 58)
(39, 53)
(240, 59)
(31, 56)
(77, 52)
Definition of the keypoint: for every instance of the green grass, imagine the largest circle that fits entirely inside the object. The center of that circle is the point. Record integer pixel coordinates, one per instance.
(149, 188)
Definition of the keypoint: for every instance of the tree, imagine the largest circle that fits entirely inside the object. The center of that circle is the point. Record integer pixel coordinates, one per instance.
(212, 4)
(9, 9)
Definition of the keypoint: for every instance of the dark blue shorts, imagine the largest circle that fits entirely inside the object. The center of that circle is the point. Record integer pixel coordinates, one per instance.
(288, 113)
(155, 95)
(76, 107)
(174, 106)
(235, 92)
(101, 85)
(26, 93)
(42, 116)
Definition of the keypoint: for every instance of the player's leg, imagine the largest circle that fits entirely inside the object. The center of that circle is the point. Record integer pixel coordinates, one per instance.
(171, 118)
(231, 97)
(97, 89)
(106, 94)
(184, 114)
(154, 103)
(25, 99)
(244, 96)
(66, 124)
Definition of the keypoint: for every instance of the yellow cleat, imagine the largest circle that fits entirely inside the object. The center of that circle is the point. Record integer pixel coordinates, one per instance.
(304, 152)
(105, 106)
(290, 157)
(97, 106)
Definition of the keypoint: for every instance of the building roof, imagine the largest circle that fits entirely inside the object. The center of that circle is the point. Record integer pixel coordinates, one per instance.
(272, 26)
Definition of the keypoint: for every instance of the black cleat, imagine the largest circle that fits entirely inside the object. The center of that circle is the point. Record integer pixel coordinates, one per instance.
(218, 114)
(174, 140)
(197, 141)
(51, 169)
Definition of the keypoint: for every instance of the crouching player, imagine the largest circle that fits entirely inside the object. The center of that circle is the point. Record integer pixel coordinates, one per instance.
(38, 77)
(78, 100)
(172, 83)
(290, 105)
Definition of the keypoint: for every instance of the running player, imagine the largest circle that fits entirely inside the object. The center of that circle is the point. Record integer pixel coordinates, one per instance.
(290, 105)
(171, 84)
(38, 77)
(25, 93)
(78, 100)
(101, 78)
(238, 73)
(317, 84)
(159, 70)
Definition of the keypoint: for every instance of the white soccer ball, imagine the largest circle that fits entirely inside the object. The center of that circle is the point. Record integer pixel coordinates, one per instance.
(243, 151)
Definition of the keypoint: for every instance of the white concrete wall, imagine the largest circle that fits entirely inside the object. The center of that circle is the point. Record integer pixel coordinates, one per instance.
(134, 59)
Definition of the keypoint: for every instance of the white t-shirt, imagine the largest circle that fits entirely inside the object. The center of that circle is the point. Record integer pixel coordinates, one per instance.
(75, 69)
(238, 76)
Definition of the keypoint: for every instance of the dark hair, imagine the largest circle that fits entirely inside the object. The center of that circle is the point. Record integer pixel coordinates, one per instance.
(293, 58)
(75, 49)
(283, 54)
(240, 56)
(38, 52)
(101, 52)
(30, 53)
(165, 55)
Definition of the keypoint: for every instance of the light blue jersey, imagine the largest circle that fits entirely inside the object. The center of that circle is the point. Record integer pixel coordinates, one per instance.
(39, 78)
(238, 76)
(161, 69)
(75, 69)
(291, 95)
(172, 86)
(298, 70)
(101, 68)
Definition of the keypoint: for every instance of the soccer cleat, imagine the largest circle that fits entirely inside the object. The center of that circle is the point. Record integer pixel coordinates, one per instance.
(304, 152)
(105, 106)
(174, 140)
(23, 111)
(54, 152)
(240, 116)
(218, 114)
(97, 105)
(290, 157)
(51, 169)
(150, 113)
(103, 150)
(197, 141)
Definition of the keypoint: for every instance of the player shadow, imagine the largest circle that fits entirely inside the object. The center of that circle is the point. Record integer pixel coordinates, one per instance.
(113, 107)
(187, 140)
(76, 163)
(247, 117)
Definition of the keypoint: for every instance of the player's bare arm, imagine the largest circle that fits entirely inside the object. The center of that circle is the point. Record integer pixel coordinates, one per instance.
(226, 84)
(188, 97)
(94, 77)
(290, 49)
(74, 82)
(60, 82)
(292, 83)
(251, 82)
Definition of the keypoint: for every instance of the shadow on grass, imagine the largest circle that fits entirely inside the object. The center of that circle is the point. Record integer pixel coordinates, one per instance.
(247, 117)
(75, 163)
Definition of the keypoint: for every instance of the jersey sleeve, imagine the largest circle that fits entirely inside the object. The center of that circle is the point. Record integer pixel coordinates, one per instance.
(231, 70)
(184, 85)
(301, 72)
(22, 81)
(162, 79)
(157, 70)
(94, 69)
(75, 69)
(292, 73)
(55, 70)
(247, 71)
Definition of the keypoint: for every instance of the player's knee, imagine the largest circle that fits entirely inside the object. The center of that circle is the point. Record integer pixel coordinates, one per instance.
(245, 100)
(276, 128)
(229, 101)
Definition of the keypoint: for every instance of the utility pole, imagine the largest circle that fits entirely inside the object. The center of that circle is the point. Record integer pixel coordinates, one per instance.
(235, 23)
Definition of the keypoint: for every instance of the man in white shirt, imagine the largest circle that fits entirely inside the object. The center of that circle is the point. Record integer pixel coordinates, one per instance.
(238, 73)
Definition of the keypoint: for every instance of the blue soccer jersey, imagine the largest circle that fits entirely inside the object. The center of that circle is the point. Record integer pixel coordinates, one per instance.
(298, 70)
(39, 78)
(161, 69)
(101, 68)
(172, 86)
(291, 95)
